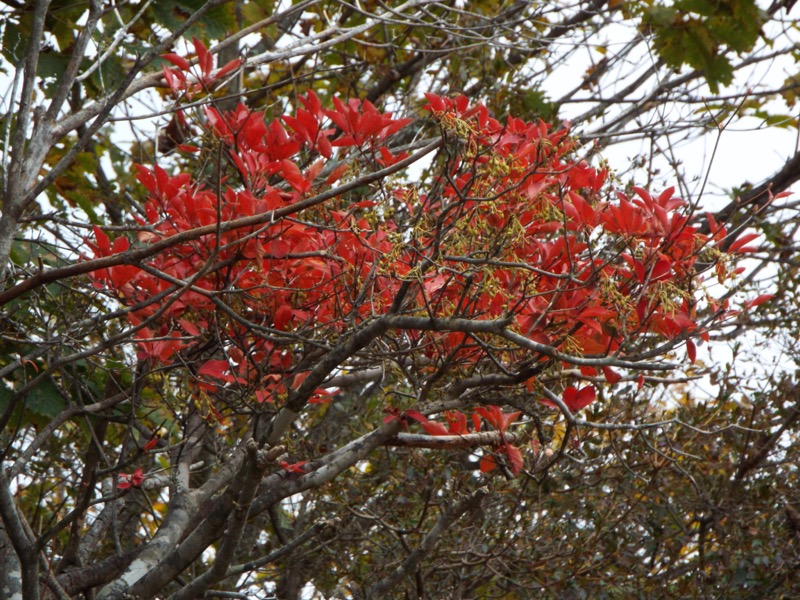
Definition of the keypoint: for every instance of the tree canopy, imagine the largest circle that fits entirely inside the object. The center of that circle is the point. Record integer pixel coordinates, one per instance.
(424, 299)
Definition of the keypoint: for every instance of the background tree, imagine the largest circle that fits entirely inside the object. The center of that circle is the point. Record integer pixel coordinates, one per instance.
(352, 353)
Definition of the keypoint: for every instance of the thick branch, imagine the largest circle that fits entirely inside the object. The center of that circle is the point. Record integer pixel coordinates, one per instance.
(24, 547)
(212, 517)
(256, 466)
(94, 574)
(15, 181)
(276, 487)
(609, 361)
(182, 512)
(10, 569)
(497, 326)
(452, 442)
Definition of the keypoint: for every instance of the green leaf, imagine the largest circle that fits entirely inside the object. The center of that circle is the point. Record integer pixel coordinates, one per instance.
(15, 36)
(5, 398)
(24, 253)
(214, 24)
(110, 74)
(45, 399)
(699, 33)
(792, 89)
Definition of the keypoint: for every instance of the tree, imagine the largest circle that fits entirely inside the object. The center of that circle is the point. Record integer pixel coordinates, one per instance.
(354, 314)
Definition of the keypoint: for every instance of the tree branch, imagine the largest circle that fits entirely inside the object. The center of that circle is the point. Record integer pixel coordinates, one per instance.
(452, 442)
(24, 547)
(257, 463)
(383, 588)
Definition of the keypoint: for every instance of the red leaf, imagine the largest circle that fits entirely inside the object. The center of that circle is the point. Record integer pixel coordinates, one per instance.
(436, 103)
(174, 82)
(163, 349)
(691, 351)
(577, 400)
(717, 232)
(151, 443)
(321, 396)
(496, 417)
(490, 413)
(294, 467)
(176, 60)
(121, 244)
(189, 327)
(135, 479)
(229, 67)
(457, 422)
(387, 159)
(264, 396)
(393, 126)
(416, 415)
(217, 369)
(665, 195)
(204, 60)
(509, 418)
(434, 428)
(282, 317)
(611, 375)
(488, 464)
(337, 173)
(476, 421)
(291, 173)
(311, 102)
(514, 458)
(661, 270)
(741, 242)
(758, 300)
(299, 125)
(324, 146)
(103, 243)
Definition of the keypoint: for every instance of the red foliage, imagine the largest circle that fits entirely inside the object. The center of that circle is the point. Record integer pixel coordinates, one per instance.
(187, 79)
(132, 480)
(515, 227)
(297, 467)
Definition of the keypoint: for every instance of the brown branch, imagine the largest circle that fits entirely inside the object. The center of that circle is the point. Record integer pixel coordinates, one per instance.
(94, 574)
(208, 519)
(283, 551)
(757, 198)
(767, 445)
(452, 442)
(257, 463)
(15, 174)
(85, 493)
(276, 487)
(451, 515)
(23, 546)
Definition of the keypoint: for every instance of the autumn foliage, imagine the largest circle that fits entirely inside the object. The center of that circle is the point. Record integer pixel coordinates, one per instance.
(509, 258)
